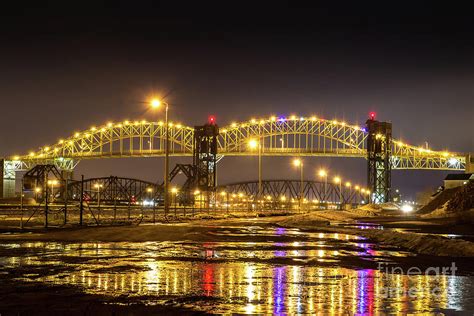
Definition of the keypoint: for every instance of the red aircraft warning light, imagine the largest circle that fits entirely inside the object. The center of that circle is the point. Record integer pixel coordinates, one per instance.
(372, 115)
(211, 119)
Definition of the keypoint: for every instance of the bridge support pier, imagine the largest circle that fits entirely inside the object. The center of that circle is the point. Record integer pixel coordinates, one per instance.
(379, 152)
(205, 157)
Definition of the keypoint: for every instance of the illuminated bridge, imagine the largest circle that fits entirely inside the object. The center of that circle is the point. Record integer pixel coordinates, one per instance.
(278, 136)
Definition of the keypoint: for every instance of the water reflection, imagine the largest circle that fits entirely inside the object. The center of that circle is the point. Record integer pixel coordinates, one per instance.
(197, 271)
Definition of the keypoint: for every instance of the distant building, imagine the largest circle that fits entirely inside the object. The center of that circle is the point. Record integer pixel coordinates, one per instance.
(454, 180)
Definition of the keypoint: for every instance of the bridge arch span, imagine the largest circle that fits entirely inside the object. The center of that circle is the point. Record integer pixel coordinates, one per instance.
(279, 136)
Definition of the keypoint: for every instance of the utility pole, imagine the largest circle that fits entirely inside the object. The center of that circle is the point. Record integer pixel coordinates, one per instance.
(81, 201)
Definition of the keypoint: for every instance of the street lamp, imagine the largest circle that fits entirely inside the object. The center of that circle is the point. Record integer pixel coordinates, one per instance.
(37, 190)
(357, 188)
(337, 180)
(150, 195)
(52, 183)
(349, 186)
(324, 174)
(199, 196)
(299, 163)
(155, 104)
(226, 195)
(255, 144)
(98, 186)
(174, 191)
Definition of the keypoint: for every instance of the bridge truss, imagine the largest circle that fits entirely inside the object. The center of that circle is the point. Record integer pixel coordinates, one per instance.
(305, 136)
(115, 189)
(279, 136)
(289, 190)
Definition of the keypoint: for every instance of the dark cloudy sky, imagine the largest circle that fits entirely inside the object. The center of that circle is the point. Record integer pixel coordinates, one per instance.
(65, 67)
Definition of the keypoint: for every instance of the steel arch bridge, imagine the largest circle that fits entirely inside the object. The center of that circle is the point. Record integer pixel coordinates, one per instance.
(278, 136)
(289, 190)
(303, 136)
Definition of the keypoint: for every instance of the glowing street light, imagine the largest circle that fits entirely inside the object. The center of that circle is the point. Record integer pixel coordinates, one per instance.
(299, 164)
(98, 186)
(253, 143)
(37, 191)
(349, 186)
(324, 174)
(155, 104)
(338, 180)
(52, 183)
(406, 208)
(174, 191)
(256, 144)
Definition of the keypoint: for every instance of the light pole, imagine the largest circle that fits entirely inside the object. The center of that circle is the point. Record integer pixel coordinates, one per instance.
(256, 144)
(357, 188)
(197, 194)
(224, 195)
(349, 186)
(155, 103)
(52, 183)
(98, 186)
(174, 190)
(150, 195)
(299, 163)
(338, 180)
(323, 174)
(37, 190)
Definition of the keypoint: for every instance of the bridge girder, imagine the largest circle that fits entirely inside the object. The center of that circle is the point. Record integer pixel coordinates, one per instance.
(304, 136)
(313, 191)
(115, 189)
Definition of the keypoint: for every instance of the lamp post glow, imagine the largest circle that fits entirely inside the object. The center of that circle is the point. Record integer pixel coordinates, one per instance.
(337, 180)
(98, 186)
(37, 190)
(357, 188)
(255, 144)
(349, 186)
(299, 163)
(155, 104)
(174, 191)
(323, 174)
(52, 183)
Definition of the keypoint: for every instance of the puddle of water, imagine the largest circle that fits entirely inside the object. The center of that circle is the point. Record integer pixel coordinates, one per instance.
(242, 277)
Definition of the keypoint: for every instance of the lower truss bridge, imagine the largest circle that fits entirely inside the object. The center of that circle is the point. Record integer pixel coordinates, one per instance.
(294, 191)
(115, 189)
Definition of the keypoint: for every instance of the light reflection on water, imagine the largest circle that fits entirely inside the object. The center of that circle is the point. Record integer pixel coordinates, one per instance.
(159, 271)
(279, 289)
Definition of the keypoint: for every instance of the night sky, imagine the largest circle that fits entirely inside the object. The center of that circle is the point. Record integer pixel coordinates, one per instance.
(65, 68)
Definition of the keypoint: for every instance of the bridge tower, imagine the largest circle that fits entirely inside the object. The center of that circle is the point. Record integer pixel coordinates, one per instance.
(379, 152)
(205, 155)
